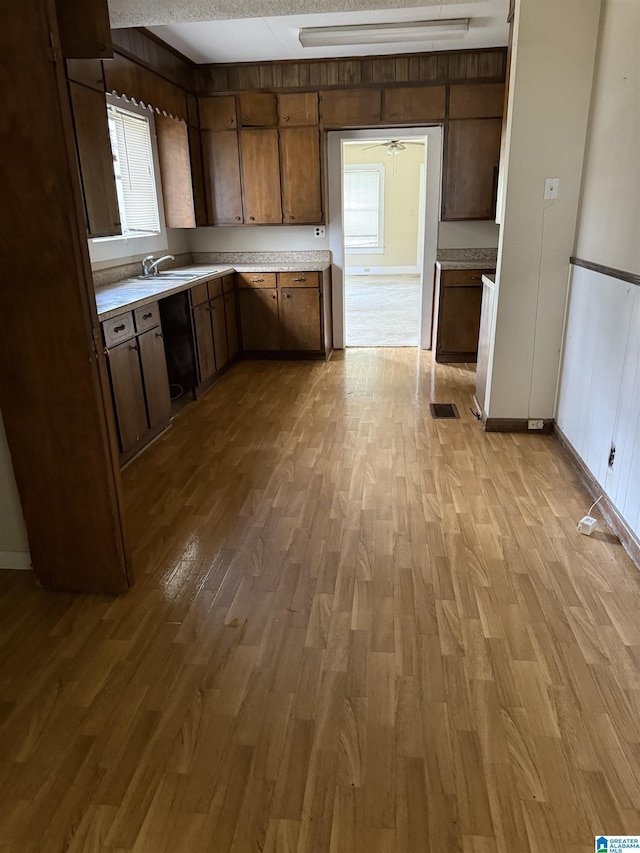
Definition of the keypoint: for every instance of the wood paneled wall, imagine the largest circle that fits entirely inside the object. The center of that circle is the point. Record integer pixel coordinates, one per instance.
(446, 67)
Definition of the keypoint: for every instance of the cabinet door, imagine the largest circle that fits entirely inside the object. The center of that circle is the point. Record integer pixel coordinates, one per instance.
(222, 177)
(197, 176)
(258, 109)
(476, 100)
(297, 109)
(350, 107)
(216, 309)
(300, 319)
(261, 176)
(414, 103)
(259, 319)
(459, 324)
(154, 374)
(95, 159)
(231, 319)
(175, 172)
(128, 394)
(218, 113)
(204, 342)
(301, 183)
(471, 171)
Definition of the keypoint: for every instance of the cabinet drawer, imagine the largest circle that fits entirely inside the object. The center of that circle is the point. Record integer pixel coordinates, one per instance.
(256, 279)
(462, 278)
(118, 329)
(215, 288)
(147, 316)
(298, 279)
(228, 283)
(199, 293)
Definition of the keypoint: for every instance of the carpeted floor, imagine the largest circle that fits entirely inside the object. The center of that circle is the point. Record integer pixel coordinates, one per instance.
(382, 310)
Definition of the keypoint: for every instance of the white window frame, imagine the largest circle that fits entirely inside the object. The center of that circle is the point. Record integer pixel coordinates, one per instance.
(119, 247)
(369, 167)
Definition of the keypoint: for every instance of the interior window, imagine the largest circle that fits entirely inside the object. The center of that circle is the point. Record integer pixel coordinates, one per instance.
(363, 206)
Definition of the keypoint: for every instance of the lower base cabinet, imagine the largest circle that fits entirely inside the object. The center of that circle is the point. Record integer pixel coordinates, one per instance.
(458, 303)
(215, 327)
(282, 313)
(138, 373)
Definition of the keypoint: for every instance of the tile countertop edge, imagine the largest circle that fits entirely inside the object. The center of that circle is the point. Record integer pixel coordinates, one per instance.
(107, 294)
(478, 264)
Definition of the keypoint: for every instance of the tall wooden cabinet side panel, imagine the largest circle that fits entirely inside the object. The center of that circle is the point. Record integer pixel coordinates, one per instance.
(54, 391)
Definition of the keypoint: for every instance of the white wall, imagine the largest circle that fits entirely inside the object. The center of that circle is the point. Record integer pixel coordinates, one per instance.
(549, 95)
(599, 393)
(14, 548)
(468, 235)
(257, 238)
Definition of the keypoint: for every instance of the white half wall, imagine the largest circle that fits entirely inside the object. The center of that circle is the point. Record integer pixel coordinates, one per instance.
(549, 96)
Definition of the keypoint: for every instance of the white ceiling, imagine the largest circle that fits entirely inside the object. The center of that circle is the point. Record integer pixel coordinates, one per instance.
(269, 38)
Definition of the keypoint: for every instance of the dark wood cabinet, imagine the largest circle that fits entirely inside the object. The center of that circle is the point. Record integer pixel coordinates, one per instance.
(156, 380)
(138, 375)
(351, 107)
(128, 395)
(221, 163)
(300, 326)
(215, 328)
(259, 319)
(298, 109)
(476, 100)
(258, 109)
(458, 302)
(204, 343)
(197, 176)
(301, 178)
(260, 176)
(175, 172)
(471, 168)
(218, 324)
(218, 113)
(95, 160)
(231, 320)
(404, 104)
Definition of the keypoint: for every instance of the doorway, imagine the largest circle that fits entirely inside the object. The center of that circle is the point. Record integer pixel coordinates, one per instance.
(384, 193)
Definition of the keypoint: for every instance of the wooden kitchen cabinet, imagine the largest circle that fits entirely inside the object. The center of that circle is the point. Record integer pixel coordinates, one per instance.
(218, 113)
(156, 380)
(128, 395)
(197, 176)
(138, 375)
(458, 302)
(259, 319)
(175, 172)
(288, 317)
(414, 103)
(231, 320)
(221, 163)
(95, 160)
(204, 343)
(215, 328)
(471, 168)
(258, 109)
(300, 327)
(351, 107)
(301, 176)
(260, 176)
(218, 324)
(298, 109)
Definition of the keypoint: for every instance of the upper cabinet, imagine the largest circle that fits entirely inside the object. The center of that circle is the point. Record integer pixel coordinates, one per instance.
(300, 175)
(221, 162)
(414, 103)
(95, 159)
(298, 109)
(351, 107)
(471, 172)
(218, 113)
(258, 109)
(260, 176)
(175, 172)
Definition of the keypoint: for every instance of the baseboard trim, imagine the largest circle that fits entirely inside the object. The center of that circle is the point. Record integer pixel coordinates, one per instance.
(616, 522)
(15, 560)
(516, 425)
(381, 270)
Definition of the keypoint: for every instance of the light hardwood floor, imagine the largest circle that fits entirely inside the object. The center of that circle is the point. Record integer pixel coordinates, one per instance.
(354, 629)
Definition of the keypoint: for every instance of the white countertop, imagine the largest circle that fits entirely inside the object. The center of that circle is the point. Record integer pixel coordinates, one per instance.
(130, 293)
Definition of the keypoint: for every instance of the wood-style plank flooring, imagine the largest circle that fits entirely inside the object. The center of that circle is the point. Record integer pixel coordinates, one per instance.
(355, 629)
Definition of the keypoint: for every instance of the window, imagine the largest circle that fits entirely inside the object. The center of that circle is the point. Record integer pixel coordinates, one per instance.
(363, 202)
(133, 166)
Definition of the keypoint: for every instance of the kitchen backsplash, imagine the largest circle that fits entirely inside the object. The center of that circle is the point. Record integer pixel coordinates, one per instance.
(130, 270)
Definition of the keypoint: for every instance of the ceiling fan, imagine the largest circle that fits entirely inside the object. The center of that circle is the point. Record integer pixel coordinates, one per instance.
(393, 146)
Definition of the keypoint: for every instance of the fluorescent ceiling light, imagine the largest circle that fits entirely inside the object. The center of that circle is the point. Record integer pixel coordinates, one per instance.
(409, 31)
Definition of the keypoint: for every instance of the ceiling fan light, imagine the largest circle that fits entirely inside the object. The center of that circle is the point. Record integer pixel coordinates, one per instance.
(404, 31)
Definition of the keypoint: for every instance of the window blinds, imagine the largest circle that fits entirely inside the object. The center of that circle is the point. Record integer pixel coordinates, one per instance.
(133, 166)
(361, 224)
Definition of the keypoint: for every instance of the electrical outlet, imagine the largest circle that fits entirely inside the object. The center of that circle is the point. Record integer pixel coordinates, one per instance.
(551, 188)
(536, 423)
(319, 231)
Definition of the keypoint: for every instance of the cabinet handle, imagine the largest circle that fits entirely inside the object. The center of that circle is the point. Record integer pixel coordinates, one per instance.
(252, 219)
(117, 329)
(231, 121)
(286, 118)
(238, 218)
(303, 278)
(159, 335)
(272, 295)
(287, 295)
(133, 346)
(256, 280)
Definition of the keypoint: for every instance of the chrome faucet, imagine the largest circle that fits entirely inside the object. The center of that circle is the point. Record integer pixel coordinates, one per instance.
(150, 267)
